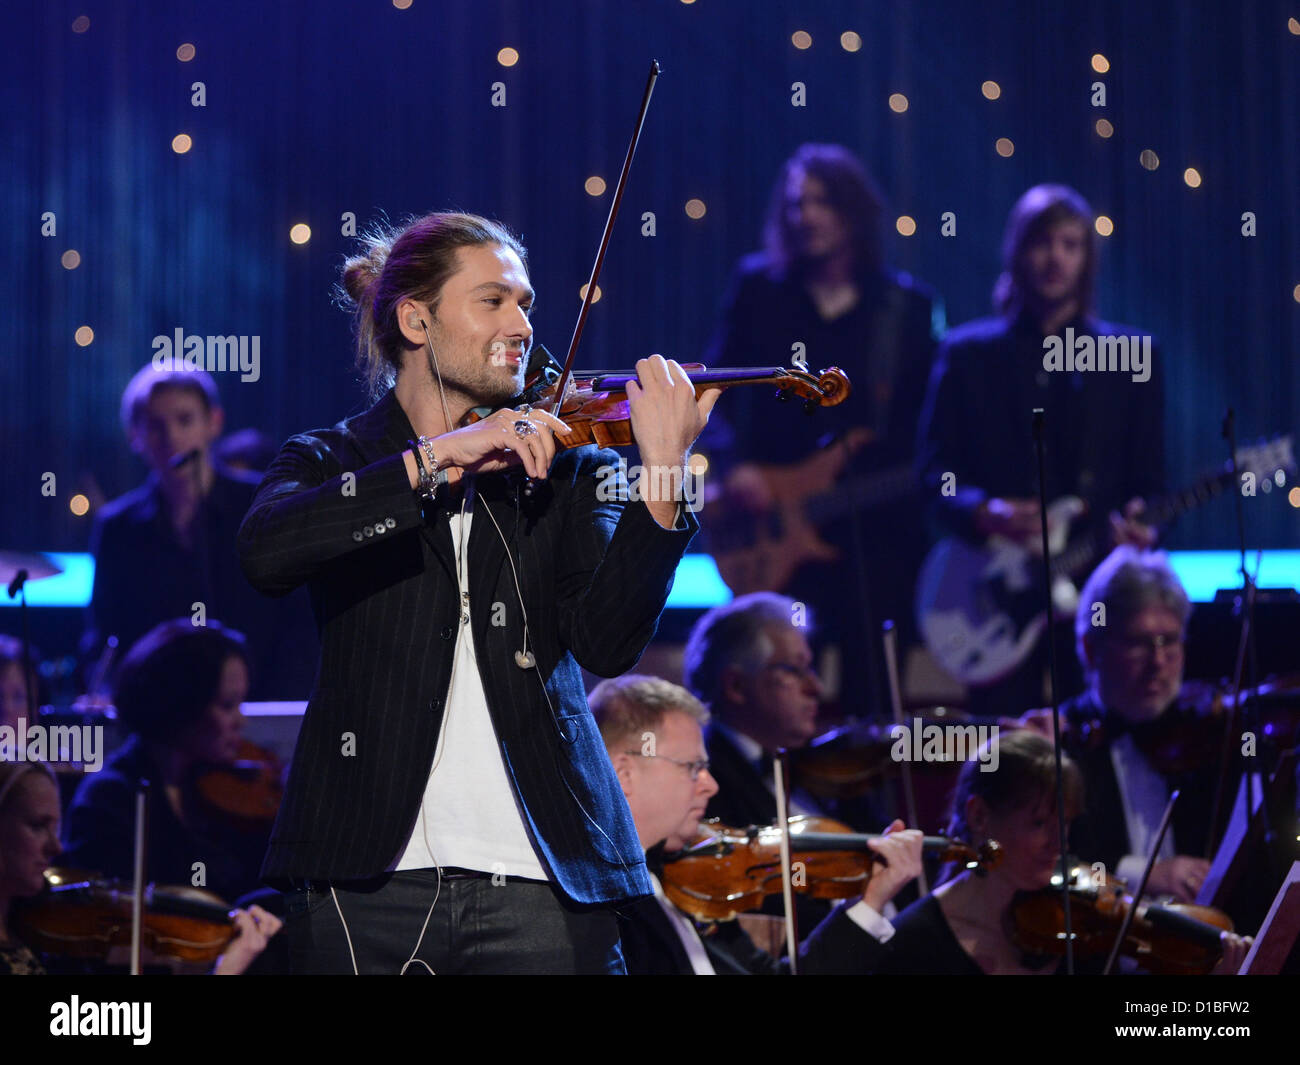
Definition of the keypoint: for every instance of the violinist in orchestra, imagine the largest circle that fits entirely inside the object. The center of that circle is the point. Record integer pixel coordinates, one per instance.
(178, 694)
(1133, 664)
(29, 844)
(464, 565)
(969, 924)
(653, 734)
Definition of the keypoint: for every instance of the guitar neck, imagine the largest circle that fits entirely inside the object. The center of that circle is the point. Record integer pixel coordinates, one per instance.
(860, 492)
(1074, 560)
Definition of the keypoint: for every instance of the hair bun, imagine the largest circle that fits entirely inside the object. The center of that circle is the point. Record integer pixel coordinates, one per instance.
(361, 272)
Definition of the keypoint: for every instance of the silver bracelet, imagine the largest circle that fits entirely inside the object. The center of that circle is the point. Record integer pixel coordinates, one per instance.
(431, 476)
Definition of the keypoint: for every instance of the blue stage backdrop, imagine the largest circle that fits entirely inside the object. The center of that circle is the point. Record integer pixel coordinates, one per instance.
(320, 113)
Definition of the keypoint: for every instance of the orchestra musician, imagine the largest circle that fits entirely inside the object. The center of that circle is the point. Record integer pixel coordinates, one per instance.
(964, 926)
(29, 844)
(1133, 664)
(653, 734)
(178, 694)
(820, 289)
(447, 761)
(1103, 431)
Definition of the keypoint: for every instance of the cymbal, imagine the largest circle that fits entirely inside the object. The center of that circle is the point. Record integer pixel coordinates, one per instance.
(36, 565)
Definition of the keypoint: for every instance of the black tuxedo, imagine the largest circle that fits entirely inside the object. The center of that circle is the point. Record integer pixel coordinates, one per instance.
(1100, 833)
(743, 798)
(594, 576)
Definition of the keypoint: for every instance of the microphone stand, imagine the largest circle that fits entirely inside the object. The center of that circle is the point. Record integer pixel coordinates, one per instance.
(1056, 705)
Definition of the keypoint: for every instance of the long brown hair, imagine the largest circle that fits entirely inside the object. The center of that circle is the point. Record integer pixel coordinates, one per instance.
(1036, 213)
(408, 261)
(851, 192)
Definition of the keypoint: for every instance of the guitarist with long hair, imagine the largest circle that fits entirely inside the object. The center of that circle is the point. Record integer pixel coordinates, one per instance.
(823, 508)
(1104, 437)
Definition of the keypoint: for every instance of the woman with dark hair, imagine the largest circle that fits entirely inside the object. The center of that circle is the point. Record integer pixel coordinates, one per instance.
(178, 693)
(29, 843)
(963, 927)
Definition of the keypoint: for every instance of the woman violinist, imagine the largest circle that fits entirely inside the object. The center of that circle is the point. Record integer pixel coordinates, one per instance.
(966, 926)
(178, 693)
(29, 843)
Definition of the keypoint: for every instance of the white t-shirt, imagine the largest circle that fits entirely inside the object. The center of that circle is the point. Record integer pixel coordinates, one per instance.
(468, 818)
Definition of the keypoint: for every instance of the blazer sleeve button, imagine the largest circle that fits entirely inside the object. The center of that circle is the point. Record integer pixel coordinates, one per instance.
(446, 632)
(356, 535)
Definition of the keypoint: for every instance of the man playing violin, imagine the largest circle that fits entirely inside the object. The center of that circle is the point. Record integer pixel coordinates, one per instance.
(653, 734)
(1134, 669)
(448, 764)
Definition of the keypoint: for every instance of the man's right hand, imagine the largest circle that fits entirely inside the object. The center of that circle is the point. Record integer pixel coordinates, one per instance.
(492, 445)
(1180, 876)
(1016, 519)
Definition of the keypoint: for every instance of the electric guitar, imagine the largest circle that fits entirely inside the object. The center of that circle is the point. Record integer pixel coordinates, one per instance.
(762, 552)
(980, 606)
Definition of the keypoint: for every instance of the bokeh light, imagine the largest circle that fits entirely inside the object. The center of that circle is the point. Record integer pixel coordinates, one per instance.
(695, 208)
(906, 225)
(898, 102)
(582, 294)
(81, 24)
(1100, 63)
(185, 53)
(508, 57)
(1104, 128)
(79, 505)
(1004, 147)
(595, 186)
(1192, 177)
(70, 259)
(991, 90)
(801, 39)
(84, 336)
(1149, 159)
(300, 233)
(181, 143)
(850, 41)
(1104, 226)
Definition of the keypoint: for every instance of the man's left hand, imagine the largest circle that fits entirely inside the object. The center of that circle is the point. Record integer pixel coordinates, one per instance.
(666, 417)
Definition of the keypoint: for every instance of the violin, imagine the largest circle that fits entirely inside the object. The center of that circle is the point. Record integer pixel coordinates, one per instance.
(83, 915)
(595, 405)
(1165, 939)
(726, 871)
(246, 793)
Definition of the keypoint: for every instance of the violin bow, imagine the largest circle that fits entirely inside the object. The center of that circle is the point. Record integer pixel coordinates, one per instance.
(590, 293)
(896, 703)
(780, 771)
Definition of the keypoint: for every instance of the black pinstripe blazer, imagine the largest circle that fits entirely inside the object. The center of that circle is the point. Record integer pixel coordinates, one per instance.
(336, 510)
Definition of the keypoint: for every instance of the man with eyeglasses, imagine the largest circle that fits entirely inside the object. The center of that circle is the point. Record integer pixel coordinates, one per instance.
(653, 732)
(1129, 634)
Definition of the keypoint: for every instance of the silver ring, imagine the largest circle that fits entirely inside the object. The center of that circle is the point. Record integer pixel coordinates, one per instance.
(523, 427)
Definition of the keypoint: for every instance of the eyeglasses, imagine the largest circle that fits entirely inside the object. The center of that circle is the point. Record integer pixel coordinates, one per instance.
(789, 668)
(694, 768)
(1142, 646)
